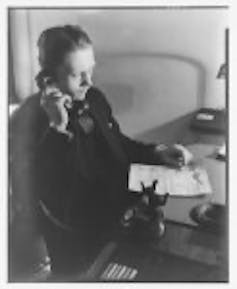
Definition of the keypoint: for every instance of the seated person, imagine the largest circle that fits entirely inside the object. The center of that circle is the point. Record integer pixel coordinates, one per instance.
(69, 158)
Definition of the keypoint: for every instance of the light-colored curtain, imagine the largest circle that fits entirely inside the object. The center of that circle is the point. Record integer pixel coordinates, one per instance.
(20, 56)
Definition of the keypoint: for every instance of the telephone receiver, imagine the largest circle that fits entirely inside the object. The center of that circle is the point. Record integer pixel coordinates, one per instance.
(73, 107)
(49, 86)
(48, 82)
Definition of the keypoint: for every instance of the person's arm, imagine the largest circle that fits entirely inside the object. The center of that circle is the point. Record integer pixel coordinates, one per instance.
(53, 145)
(138, 152)
(37, 154)
(22, 135)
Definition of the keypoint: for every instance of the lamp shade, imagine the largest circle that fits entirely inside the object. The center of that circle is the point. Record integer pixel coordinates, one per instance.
(222, 71)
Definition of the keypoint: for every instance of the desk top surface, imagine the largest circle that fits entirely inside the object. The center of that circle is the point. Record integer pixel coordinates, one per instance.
(178, 208)
(183, 254)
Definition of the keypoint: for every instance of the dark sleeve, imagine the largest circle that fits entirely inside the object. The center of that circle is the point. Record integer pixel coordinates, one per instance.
(53, 145)
(34, 153)
(136, 151)
(21, 158)
(53, 167)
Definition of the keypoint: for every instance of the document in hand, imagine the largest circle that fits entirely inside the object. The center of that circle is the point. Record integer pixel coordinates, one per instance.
(187, 181)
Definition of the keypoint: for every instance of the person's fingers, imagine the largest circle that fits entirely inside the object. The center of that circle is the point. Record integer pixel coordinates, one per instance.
(67, 101)
(50, 89)
(48, 99)
(181, 162)
(175, 154)
(55, 106)
(188, 156)
(178, 154)
(172, 162)
(57, 99)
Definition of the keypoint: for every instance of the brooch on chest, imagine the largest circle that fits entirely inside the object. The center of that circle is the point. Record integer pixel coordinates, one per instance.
(80, 115)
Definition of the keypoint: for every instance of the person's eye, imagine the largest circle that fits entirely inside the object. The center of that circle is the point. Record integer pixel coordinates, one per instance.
(75, 76)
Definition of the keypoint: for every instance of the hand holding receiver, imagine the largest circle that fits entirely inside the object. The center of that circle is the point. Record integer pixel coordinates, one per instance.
(56, 105)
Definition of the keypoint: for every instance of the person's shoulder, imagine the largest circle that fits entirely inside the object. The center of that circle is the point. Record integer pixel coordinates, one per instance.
(29, 108)
(31, 102)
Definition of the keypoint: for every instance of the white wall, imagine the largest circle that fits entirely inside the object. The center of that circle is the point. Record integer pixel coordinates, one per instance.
(192, 35)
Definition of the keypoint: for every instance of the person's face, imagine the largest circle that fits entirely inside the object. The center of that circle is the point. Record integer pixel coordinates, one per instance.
(74, 75)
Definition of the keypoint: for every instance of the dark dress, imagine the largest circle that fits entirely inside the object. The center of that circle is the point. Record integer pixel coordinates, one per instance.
(75, 187)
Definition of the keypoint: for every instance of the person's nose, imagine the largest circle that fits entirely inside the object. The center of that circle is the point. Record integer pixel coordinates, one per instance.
(86, 79)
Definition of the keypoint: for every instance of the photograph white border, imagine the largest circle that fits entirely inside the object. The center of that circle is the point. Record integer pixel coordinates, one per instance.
(4, 4)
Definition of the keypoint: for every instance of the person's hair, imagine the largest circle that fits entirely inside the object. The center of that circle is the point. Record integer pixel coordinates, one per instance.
(54, 43)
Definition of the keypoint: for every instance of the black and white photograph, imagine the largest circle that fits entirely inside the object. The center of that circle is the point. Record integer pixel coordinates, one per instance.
(118, 144)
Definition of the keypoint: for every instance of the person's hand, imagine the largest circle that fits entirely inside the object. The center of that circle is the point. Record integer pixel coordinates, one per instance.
(55, 103)
(187, 155)
(173, 156)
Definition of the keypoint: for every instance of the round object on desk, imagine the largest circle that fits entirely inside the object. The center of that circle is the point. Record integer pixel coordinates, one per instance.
(210, 216)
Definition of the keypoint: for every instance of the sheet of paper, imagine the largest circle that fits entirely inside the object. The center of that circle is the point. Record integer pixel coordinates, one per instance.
(188, 181)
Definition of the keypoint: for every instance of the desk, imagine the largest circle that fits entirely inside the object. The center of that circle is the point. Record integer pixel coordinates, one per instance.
(185, 253)
(178, 208)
